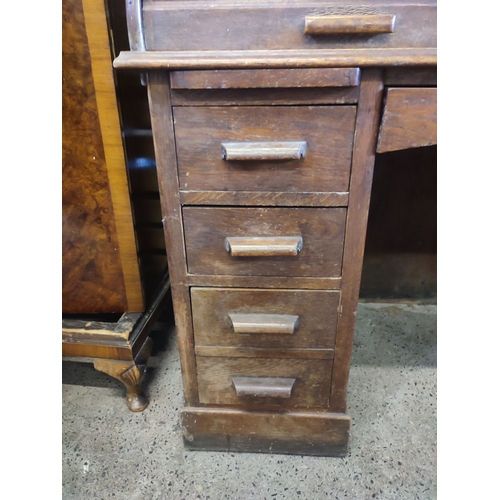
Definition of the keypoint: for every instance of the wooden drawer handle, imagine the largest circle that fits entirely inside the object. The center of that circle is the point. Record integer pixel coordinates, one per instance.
(354, 24)
(263, 246)
(271, 387)
(263, 151)
(264, 323)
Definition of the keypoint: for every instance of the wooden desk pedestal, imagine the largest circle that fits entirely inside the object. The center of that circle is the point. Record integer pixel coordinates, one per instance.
(265, 143)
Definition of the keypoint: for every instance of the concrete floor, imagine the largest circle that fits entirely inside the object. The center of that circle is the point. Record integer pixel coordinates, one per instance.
(112, 453)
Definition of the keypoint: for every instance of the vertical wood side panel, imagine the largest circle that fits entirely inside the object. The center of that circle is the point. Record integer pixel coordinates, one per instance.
(164, 143)
(102, 71)
(365, 143)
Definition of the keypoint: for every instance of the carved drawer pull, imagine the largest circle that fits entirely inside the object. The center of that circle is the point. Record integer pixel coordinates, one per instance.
(264, 246)
(263, 151)
(352, 24)
(272, 387)
(264, 323)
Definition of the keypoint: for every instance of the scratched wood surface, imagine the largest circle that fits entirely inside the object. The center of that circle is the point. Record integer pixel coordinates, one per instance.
(322, 230)
(316, 313)
(274, 25)
(328, 132)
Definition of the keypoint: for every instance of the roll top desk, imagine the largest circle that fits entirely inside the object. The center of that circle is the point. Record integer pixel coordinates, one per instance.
(266, 120)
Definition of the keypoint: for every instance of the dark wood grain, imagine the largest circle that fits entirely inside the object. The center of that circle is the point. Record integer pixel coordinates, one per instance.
(328, 132)
(322, 230)
(266, 78)
(409, 119)
(316, 311)
(367, 121)
(306, 433)
(311, 390)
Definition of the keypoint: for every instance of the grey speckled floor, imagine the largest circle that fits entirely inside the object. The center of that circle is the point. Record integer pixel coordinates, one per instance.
(112, 453)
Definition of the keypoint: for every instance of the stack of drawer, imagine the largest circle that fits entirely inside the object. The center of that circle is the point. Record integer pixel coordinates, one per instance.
(265, 347)
(256, 226)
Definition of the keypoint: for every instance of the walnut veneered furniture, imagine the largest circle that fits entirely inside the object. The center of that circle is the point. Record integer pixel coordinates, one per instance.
(266, 119)
(102, 266)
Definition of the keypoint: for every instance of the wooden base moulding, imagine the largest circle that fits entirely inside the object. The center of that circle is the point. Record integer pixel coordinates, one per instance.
(319, 434)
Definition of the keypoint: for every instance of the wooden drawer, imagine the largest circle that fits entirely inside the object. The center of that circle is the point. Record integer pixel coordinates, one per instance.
(262, 241)
(276, 24)
(264, 318)
(409, 119)
(310, 379)
(264, 148)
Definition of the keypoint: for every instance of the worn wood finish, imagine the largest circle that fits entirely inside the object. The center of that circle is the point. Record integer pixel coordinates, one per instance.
(120, 340)
(367, 122)
(350, 24)
(266, 78)
(275, 25)
(322, 230)
(263, 352)
(328, 132)
(265, 282)
(310, 296)
(163, 136)
(338, 199)
(306, 433)
(409, 119)
(271, 97)
(311, 390)
(315, 311)
(234, 59)
(130, 373)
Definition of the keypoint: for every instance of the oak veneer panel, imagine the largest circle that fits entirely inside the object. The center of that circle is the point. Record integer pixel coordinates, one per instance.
(274, 25)
(311, 389)
(302, 433)
(328, 131)
(322, 231)
(316, 311)
(409, 119)
(266, 78)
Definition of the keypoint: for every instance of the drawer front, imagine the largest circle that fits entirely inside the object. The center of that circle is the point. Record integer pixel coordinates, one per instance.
(273, 382)
(264, 148)
(275, 25)
(264, 318)
(264, 241)
(409, 119)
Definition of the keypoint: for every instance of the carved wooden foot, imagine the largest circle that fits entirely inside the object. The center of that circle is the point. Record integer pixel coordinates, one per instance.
(130, 373)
